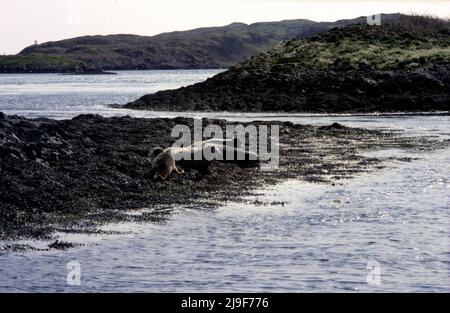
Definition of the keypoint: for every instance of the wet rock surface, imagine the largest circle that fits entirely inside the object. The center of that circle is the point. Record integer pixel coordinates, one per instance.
(74, 175)
(315, 91)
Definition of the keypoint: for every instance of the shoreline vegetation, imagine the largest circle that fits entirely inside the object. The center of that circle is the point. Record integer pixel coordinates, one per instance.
(402, 66)
(74, 175)
(203, 48)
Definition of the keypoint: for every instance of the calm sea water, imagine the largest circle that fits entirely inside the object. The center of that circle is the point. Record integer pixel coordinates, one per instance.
(386, 231)
(64, 96)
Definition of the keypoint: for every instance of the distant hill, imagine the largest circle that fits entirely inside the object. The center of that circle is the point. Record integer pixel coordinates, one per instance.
(214, 47)
(399, 66)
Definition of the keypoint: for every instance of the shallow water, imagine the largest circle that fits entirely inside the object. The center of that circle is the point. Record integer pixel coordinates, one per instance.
(321, 239)
(301, 237)
(64, 96)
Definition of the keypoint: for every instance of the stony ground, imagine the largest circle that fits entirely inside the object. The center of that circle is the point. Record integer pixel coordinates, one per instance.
(74, 175)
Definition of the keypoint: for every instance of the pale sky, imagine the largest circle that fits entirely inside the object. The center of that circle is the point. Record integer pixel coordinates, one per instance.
(23, 21)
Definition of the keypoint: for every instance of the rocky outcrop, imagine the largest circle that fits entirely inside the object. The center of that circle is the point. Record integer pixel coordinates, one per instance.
(425, 89)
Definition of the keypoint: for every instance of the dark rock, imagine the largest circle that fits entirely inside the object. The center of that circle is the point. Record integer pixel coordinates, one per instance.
(333, 126)
(54, 179)
(61, 245)
(15, 247)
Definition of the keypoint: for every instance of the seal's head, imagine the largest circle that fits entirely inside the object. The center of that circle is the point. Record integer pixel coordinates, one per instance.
(163, 163)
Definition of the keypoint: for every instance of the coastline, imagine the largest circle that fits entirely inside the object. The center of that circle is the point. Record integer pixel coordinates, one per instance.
(297, 113)
(74, 175)
(94, 72)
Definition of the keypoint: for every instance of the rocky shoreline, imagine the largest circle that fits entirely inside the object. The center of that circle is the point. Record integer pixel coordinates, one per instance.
(424, 90)
(73, 175)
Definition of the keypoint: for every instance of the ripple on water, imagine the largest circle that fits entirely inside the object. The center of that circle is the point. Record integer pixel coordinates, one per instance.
(323, 238)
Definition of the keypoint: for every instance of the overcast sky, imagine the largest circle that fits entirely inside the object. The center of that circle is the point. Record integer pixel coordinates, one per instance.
(23, 21)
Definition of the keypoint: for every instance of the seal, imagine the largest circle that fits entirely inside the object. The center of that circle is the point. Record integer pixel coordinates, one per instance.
(164, 162)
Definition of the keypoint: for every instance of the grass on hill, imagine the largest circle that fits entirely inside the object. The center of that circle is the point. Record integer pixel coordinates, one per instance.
(410, 42)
